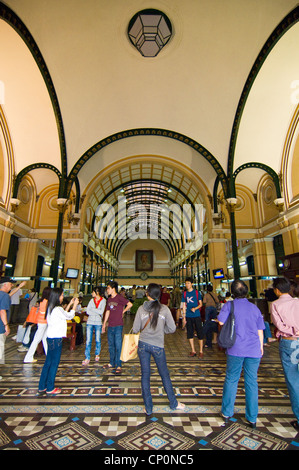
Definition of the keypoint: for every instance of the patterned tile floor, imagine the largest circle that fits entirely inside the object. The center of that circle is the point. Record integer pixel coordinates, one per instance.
(99, 410)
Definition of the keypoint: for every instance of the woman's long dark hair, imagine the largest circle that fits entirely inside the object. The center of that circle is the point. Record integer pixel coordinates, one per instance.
(154, 291)
(46, 293)
(54, 299)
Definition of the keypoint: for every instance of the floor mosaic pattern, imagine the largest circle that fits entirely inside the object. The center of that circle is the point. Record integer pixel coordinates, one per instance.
(99, 410)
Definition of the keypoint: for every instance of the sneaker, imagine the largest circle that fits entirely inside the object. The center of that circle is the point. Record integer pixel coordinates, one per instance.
(55, 391)
(251, 424)
(22, 349)
(225, 418)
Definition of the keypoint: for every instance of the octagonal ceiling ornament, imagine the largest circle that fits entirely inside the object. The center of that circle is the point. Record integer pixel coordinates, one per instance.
(149, 31)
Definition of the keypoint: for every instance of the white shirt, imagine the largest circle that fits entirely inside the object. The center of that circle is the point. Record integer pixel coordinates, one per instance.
(57, 322)
(15, 298)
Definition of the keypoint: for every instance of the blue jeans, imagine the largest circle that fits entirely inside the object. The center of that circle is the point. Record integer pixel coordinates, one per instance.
(115, 340)
(47, 378)
(234, 368)
(210, 313)
(267, 332)
(145, 351)
(289, 356)
(89, 332)
(209, 328)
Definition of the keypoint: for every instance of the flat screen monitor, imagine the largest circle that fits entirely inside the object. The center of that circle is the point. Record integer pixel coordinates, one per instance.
(218, 273)
(72, 273)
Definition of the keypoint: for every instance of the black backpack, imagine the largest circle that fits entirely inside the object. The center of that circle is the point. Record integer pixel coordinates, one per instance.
(227, 335)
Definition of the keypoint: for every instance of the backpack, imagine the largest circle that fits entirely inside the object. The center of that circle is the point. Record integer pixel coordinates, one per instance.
(218, 305)
(227, 335)
(185, 294)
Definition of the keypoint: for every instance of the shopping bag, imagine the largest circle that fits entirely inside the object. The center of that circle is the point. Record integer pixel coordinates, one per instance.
(20, 334)
(33, 314)
(129, 346)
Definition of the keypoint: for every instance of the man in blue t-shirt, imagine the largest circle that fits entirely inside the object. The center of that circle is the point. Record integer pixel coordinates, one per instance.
(6, 284)
(192, 302)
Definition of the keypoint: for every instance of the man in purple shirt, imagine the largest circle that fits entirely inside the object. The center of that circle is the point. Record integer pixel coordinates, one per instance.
(285, 316)
(245, 354)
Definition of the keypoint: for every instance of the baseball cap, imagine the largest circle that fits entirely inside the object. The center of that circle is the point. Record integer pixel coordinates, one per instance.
(5, 279)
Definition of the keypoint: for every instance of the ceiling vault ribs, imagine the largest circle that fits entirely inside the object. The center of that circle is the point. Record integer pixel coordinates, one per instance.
(7, 15)
(289, 21)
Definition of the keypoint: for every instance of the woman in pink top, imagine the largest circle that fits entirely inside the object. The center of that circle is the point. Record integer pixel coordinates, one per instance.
(285, 316)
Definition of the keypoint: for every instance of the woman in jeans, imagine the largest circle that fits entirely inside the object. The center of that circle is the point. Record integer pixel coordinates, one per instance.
(95, 310)
(151, 343)
(57, 329)
(245, 354)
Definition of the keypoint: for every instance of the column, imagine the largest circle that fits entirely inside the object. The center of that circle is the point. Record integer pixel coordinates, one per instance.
(27, 257)
(217, 258)
(290, 237)
(264, 260)
(73, 258)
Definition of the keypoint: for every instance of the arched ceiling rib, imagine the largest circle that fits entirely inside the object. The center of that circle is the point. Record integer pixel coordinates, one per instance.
(266, 106)
(30, 101)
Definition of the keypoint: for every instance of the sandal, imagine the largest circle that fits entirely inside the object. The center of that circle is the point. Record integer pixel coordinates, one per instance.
(55, 391)
(97, 358)
(107, 366)
(118, 370)
(181, 406)
(85, 362)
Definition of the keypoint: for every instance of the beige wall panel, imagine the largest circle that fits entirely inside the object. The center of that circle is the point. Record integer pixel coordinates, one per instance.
(47, 211)
(266, 197)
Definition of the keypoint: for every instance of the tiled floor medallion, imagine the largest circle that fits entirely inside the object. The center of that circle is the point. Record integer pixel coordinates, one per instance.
(68, 437)
(241, 437)
(155, 437)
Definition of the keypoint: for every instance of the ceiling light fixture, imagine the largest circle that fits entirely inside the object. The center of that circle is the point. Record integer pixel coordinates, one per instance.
(149, 31)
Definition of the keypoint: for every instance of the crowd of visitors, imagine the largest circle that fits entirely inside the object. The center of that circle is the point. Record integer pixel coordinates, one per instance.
(157, 311)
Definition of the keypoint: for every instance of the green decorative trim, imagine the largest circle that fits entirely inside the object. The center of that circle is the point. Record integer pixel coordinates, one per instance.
(215, 191)
(290, 20)
(148, 132)
(15, 22)
(34, 166)
(263, 167)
